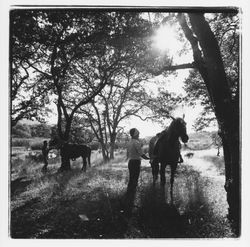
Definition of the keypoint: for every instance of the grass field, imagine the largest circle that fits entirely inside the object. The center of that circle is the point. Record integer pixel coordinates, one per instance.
(82, 205)
(43, 196)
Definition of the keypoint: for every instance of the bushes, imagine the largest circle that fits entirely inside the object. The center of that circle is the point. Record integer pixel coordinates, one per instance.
(34, 144)
(21, 131)
(94, 145)
(20, 142)
(37, 145)
(40, 130)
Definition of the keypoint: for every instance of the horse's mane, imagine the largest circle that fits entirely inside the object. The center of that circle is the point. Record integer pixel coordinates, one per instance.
(167, 134)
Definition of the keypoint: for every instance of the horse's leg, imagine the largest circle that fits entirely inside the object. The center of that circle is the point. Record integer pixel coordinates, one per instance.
(162, 173)
(155, 170)
(173, 170)
(44, 169)
(84, 166)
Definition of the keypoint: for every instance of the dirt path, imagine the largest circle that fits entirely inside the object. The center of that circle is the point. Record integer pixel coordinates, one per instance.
(91, 205)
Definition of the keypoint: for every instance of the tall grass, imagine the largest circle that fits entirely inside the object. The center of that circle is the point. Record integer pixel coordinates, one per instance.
(65, 185)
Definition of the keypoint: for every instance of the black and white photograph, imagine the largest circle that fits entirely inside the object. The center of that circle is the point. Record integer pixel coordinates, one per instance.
(125, 122)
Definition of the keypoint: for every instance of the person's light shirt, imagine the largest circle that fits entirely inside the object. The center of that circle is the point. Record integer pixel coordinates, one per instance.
(134, 149)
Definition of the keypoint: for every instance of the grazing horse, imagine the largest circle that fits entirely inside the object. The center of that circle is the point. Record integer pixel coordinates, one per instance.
(166, 150)
(70, 151)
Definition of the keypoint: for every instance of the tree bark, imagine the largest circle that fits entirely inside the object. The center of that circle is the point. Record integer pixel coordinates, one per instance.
(112, 145)
(105, 154)
(212, 70)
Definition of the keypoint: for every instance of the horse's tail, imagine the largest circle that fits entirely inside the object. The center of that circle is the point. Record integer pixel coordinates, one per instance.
(89, 156)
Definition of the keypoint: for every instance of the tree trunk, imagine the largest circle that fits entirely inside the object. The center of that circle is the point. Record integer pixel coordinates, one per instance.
(64, 136)
(226, 114)
(65, 164)
(105, 154)
(112, 145)
(65, 161)
(112, 150)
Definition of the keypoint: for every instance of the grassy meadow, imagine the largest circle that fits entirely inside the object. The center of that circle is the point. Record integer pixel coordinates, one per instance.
(89, 205)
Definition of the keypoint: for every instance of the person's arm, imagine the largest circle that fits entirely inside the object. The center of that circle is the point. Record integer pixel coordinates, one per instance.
(139, 149)
(144, 156)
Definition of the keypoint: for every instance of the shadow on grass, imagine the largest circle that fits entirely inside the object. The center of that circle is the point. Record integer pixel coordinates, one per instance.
(19, 185)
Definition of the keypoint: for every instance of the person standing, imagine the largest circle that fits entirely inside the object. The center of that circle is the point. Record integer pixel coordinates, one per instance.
(45, 152)
(134, 155)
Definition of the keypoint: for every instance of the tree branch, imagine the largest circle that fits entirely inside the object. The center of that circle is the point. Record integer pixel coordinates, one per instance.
(171, 68)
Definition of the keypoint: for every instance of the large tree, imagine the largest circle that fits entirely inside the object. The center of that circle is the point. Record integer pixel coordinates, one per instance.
(208, 61)
(126, 97)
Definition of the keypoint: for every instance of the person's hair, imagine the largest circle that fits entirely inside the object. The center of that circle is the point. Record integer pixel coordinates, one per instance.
(132, 131)
(45, 142)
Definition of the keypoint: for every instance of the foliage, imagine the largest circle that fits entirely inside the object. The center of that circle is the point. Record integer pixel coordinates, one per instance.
(94, 145)
(36, 145)
(21, 130)
(40, 130)
(28, 100)
(163, 105)
(16, 142)
(80, 132)
(79, 51)
(26, 131)
(126, 97)
(75, 53)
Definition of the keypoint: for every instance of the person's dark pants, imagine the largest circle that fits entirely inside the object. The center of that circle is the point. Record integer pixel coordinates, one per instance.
(134, 172)
(45, 161)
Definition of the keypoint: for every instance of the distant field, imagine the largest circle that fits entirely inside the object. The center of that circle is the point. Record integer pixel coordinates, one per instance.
(200, 140)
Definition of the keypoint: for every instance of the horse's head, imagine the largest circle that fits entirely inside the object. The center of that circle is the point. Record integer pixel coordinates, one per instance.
(181, 130)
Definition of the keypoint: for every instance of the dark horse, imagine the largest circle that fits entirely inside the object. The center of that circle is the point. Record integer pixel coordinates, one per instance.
(70, 151)
(166, 150)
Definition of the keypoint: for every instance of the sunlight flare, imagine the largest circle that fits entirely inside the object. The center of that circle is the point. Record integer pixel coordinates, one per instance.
(165, 39)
